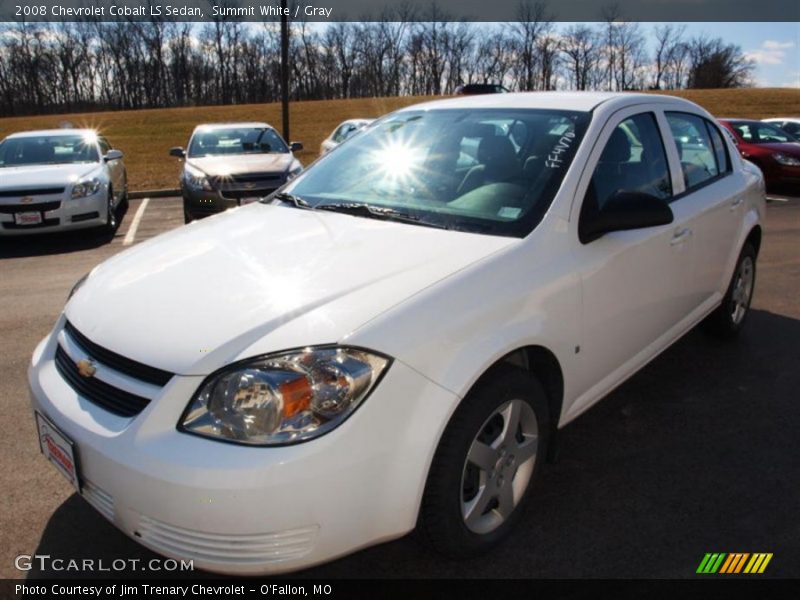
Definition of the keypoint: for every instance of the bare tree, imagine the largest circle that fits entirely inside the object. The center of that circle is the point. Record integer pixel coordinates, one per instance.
(715, 64)
(581, 47)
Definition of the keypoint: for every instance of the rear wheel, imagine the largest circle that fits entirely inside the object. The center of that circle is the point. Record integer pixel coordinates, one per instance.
(727, 320)
(485, 463)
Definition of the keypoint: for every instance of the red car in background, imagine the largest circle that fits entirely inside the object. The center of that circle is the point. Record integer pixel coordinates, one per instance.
(773, 150)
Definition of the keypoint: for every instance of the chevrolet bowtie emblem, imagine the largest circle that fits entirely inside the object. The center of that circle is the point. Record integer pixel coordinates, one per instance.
(86, 368)
(250, 186)
(26, 200)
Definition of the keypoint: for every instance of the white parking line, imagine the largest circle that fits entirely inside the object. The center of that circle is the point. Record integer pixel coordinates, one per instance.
(131, 235)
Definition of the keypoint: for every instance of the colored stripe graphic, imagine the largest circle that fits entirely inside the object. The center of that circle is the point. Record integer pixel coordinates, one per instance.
(734, 563)
(758, 563)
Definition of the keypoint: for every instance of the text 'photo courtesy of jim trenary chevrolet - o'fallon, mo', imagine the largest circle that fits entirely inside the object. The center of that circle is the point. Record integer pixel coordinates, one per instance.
(470, 296)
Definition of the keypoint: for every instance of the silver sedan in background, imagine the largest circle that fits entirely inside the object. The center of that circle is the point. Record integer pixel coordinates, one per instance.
(345, 130)
(60, 179)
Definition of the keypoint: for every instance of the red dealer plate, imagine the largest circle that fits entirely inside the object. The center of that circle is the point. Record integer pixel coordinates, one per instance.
(28, 218)
(58, 449)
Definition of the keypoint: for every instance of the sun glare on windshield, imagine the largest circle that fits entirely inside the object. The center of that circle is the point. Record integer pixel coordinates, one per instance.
(396, 160)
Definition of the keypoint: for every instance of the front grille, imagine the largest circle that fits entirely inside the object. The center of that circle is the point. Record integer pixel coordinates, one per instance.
(238, 194)
(31, 192)
(255, 177)
(10, 209)
(45, 223)
(119, 363)
(106, 396)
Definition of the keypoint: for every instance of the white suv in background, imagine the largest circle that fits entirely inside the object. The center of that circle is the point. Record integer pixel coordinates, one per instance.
(59, 179)
(394, 339)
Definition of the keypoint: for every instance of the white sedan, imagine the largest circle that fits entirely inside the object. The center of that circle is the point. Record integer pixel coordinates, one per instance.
(344, 131)
(59, 179)
(788, 124)
(394, 340)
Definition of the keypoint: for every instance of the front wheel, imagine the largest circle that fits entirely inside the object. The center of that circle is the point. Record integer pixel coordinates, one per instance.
(485, 463)
(727, 320)
(111, 213)
(187, 215)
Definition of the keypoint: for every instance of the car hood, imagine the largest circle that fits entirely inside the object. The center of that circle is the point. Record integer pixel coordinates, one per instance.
(261, 279)
(240, 164)
(43, 176)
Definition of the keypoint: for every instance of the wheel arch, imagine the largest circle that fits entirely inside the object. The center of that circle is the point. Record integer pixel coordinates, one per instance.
(543, 364)
(754, 238)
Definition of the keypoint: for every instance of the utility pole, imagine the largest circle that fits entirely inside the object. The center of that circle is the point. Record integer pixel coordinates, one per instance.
(285, 70)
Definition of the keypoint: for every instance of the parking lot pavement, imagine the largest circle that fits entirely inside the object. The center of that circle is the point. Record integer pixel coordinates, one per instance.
(697, 453)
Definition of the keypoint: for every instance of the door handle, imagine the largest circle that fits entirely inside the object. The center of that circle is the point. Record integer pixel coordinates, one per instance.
(735, 204)
(680, 236)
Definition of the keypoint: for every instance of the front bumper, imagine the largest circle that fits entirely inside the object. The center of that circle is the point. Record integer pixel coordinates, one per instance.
(202, 203)
(57, 213)
(227, 193)
(244, 510)
(782, 178)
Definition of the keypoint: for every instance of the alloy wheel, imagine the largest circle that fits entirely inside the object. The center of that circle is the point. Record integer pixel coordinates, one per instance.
(499, 466)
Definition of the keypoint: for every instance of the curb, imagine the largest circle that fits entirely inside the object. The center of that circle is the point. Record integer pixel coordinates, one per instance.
(154, 194)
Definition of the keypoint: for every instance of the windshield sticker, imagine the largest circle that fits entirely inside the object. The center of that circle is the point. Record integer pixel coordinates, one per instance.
(554, 159)
(509, 212)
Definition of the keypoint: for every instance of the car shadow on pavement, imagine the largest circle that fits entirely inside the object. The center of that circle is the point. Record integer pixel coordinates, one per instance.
(699, 452)
(63, 242)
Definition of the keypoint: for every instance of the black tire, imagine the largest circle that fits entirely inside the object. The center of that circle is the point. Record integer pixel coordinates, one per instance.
(187, 216)
(444, 519)
(112, 222)
(728, 319)
(123, 202)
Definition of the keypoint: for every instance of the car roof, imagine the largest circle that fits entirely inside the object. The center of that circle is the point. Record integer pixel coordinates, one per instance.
(773, 119)
(53, 132)
(231, 124)
(577, 101)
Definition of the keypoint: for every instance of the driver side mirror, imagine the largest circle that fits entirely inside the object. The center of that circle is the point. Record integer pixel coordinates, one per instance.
(296, 146)
(112, 155)
(177, 152)
(624, 211)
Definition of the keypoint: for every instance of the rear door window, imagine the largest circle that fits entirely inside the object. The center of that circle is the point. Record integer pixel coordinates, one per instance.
(702, 159)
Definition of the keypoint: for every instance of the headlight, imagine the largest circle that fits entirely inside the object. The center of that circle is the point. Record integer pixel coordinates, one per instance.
(196, 180)
(786, 160)
(284, 398)
(85, 188)
(77, 286)
(294, 173)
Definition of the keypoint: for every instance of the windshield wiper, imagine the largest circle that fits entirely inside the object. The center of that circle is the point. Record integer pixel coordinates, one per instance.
(377, 212)
(292, 199)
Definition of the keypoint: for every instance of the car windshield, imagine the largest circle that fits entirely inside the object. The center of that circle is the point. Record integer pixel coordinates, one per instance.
(761, 133)
(48, 150)
(236, 140)
(492, 171)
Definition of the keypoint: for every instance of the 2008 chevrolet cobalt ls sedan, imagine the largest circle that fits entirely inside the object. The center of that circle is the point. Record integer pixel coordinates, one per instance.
(393, 340)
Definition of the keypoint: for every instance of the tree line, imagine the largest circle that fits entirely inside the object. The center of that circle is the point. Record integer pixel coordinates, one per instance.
(92, 65)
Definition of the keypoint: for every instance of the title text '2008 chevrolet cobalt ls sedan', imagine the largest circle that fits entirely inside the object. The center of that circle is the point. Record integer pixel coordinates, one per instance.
(393, 340)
